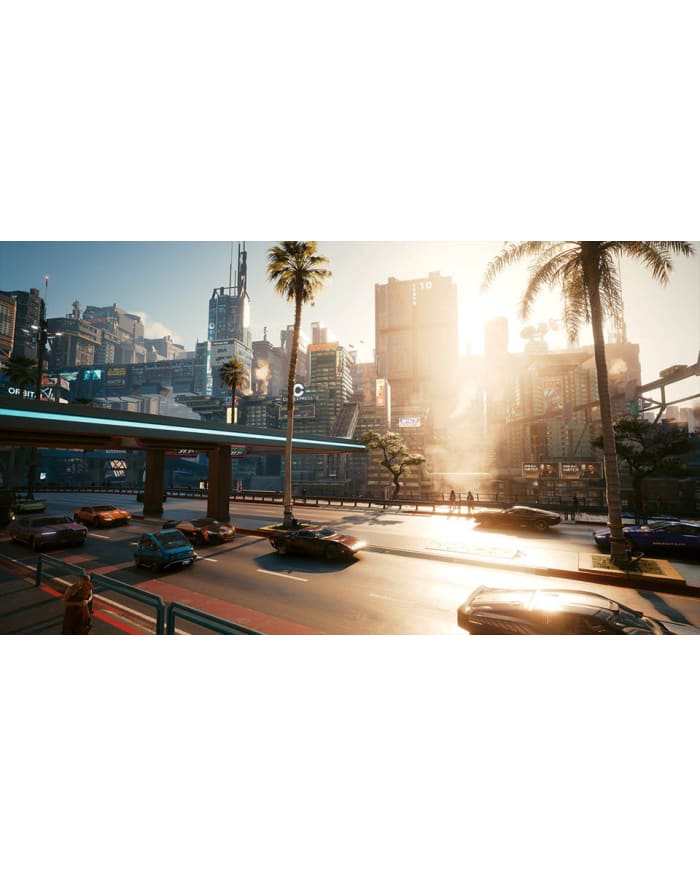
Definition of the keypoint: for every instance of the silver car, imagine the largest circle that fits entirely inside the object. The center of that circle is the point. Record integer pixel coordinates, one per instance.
(46, 530)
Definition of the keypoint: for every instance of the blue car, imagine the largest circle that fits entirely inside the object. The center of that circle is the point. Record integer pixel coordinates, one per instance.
(162, 550)
(672, 536)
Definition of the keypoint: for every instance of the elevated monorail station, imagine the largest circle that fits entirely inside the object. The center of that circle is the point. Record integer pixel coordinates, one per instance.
(71, 426)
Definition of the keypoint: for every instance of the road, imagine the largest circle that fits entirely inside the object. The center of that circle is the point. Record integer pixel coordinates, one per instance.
(387, 590)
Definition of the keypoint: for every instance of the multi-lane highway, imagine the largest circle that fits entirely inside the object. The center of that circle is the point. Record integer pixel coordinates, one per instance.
(406, 582)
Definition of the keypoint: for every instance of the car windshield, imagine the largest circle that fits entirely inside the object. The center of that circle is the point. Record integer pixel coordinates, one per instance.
(104, 507)
(172, 539)
(204, 521)
(51, 521)
(631, 623)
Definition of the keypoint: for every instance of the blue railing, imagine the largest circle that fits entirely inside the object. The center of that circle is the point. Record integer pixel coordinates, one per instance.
(202, 618)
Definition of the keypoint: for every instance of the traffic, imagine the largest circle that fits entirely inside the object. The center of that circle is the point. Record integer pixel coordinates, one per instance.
(410, 576)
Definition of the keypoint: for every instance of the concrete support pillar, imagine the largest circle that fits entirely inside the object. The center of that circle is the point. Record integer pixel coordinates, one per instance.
(154, 485)
(219, 484)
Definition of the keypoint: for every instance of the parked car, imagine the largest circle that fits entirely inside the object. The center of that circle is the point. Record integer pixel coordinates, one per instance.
(162, 550)
(316, 541)
(670, 536)
(99, 515)
(29, 505)
(44, 531)
(517, 517)
(491, 611)
(203, 530)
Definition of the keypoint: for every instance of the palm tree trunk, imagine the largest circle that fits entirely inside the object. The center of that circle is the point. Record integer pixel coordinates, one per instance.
(288, 522)
(591, 273)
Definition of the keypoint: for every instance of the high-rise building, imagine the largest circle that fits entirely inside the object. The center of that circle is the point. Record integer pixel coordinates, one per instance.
(417, 346)
(30, 309)
(8, 310)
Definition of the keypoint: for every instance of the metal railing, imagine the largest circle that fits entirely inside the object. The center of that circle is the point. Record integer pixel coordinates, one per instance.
(100, 582)
(202, 618)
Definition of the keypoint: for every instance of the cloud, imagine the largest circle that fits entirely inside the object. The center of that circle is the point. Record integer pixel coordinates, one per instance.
(156, 329)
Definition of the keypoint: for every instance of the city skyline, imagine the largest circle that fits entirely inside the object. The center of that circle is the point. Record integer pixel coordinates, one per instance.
(169, 285)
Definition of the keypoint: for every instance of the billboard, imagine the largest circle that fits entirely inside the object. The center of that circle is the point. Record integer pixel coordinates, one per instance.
(530, 469)
(582, 470)
(409, 422)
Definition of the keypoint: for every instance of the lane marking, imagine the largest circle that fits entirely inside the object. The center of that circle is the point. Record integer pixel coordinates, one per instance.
(285, 576)
(95, 535)
(377, 595)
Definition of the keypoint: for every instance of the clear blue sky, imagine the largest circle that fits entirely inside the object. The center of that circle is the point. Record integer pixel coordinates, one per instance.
(170, 285)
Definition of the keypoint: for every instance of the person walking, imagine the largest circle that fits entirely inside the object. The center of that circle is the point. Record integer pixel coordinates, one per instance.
(77, 602)
(470, 502)
(453, 500)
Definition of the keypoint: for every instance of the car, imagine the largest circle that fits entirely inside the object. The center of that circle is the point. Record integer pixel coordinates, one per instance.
(316, 541)
(669, 536)
(163, 550)
(29, 505)
(492, 611)
(517, 517)
(99, 515)
(204, 530)
(44, 531)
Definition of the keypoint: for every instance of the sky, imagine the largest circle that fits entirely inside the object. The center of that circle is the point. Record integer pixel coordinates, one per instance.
(169, 285)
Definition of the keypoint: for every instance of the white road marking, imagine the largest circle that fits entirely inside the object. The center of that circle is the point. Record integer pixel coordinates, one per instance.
(207, 559)
(95, 535)
(286, 576)
(377, 595)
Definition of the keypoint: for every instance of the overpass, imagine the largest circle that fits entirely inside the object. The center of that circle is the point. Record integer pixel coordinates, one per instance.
(72, 426)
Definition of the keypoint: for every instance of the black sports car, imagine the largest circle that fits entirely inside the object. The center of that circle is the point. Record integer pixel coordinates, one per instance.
(204, 530)
(491, 611)
(517, 517)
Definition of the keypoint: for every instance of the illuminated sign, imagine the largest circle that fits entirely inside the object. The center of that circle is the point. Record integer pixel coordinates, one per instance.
(530, 469)
(116, 372)
(409, 422)
(183, 454)
(238, 450)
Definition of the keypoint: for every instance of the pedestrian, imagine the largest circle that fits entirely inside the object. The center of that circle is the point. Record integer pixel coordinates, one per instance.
(77, 602)
(453, 500)
(470, 502)
(574, 506)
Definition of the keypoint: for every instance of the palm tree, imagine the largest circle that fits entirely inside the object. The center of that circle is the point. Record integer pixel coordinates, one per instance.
(298, 273)
(21, 371)
(233, 375)
(591, 291)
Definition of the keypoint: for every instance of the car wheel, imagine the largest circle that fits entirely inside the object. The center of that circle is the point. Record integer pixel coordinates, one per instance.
(541, 526)
(281, 548)
(98, 523)
(332, 552)
(35, 545)
(137, 562)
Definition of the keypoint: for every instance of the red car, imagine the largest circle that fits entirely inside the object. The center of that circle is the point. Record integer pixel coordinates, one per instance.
(316, 541)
